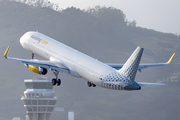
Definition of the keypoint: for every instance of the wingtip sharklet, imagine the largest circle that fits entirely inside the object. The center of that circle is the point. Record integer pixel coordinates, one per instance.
(6, 52)
(170, 60)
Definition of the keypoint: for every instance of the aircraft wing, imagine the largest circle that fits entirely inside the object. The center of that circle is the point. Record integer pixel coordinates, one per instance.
(150, 84)
(116, 66)
(142, 66)
(45, 64)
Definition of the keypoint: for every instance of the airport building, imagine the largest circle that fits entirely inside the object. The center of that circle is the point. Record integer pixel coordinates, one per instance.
(39, 99)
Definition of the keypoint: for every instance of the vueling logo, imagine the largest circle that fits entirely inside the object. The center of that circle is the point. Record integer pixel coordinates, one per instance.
(38, 39)
(44, 42)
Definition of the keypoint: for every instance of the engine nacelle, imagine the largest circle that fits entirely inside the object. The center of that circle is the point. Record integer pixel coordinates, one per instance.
(38, 70)
(42, 71)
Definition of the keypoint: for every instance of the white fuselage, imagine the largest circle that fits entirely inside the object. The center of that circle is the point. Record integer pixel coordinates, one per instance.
(79, 64)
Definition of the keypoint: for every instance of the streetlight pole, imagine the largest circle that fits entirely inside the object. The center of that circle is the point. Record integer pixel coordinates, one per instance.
(37, 106)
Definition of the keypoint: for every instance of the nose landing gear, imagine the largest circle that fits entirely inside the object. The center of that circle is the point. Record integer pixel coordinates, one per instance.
(32, 55)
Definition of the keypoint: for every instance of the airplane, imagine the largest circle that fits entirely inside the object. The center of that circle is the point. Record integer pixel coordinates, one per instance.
(62, 58)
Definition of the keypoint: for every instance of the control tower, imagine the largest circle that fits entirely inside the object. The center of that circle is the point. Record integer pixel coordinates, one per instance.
(39, 99)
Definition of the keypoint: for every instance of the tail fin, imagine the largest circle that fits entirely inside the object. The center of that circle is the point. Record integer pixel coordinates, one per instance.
(130, 68)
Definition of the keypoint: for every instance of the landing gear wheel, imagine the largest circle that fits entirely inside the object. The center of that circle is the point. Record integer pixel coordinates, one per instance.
(53, 81)
(58, 82)
(94, 85)
(89, 84)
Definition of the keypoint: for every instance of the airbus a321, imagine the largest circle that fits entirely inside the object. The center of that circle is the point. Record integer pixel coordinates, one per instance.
(61, 58)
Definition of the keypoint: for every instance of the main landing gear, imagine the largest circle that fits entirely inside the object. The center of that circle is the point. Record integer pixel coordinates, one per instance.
(56, 81)
(90, 84)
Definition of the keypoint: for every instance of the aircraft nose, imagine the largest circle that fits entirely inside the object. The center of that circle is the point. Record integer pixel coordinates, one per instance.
(24, 41)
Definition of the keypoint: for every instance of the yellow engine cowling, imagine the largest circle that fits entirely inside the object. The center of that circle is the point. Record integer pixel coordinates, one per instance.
(38, 70)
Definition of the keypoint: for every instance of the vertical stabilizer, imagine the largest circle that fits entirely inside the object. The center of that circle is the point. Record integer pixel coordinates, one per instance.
(130, 68)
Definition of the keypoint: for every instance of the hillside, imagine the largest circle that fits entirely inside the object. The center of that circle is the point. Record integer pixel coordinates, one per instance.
(105, 34)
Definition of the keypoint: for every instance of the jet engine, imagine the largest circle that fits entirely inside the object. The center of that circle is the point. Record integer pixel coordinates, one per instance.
(38, 70)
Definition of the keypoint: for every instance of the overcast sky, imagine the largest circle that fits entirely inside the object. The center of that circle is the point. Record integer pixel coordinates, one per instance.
(160, 15)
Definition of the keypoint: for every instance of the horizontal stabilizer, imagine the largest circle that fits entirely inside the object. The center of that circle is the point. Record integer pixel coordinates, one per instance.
(151, 84)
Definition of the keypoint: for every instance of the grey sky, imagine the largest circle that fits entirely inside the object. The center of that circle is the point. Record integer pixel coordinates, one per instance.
(161, 15)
